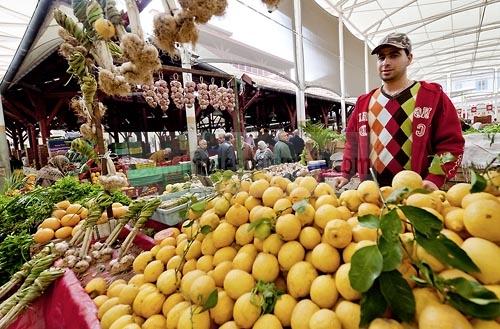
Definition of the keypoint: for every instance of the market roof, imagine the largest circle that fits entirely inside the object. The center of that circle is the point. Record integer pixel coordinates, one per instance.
(449, 37)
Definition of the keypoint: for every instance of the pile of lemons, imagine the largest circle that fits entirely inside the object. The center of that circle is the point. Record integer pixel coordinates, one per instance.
(264, 232)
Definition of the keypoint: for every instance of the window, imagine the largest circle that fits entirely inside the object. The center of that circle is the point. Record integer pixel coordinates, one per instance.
(458, 86)
(482, 84)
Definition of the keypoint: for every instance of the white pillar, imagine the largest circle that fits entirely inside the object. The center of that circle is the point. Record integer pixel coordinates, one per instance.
(448, 84)
(190, 111)
(367, 75)
(496, 110)
(300, 98)
(4, 148)
(342, 77)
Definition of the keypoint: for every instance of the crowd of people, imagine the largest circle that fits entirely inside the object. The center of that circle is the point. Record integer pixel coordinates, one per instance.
(260, 152)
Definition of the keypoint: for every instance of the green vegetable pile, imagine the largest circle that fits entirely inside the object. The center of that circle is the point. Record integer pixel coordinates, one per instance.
(489, 129)
(20, 216)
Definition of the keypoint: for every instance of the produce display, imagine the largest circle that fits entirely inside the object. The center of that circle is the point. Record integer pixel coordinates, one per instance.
(271, 253)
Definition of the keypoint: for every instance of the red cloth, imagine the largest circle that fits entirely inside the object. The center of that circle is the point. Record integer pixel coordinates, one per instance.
(64, 305)
(436, 130)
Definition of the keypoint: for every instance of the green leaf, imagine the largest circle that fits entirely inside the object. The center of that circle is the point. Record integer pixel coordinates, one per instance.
(183, 213)
(300, 206)
(485, 312)
(419, 191)
(366, 266)
(472, 291)
(212, 300)
(227, 174)
(397, 195)
(419, 281)
(423, 221)
(373, 304)
(370, 221)
(391, 253)
(199, 207)
(390, 225)
(478, 182)
(256, 223)
(398, 295)
(206, 229)
(447, 252)
(427, 273)
(269, 293)
(435, 167)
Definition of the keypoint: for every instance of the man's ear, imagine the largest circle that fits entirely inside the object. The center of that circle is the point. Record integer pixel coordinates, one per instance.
(410, 58)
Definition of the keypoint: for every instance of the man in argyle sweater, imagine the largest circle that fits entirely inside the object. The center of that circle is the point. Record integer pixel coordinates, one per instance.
(401, 124)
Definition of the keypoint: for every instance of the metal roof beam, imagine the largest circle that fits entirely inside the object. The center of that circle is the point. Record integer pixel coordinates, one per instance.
(443, 70)
(459, 33)
(440, 62)
(359, 4)
(432, 18)
(444, 64)
(387, 16)
(456, 48)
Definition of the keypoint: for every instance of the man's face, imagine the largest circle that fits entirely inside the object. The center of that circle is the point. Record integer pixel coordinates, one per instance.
(392, 63)
(203, 144)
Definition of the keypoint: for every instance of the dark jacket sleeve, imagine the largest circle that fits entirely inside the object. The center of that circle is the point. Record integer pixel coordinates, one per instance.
(446, 137)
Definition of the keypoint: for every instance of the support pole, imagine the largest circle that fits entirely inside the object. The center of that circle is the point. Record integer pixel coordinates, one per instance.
(367, 74)
(342, 75)
(190, 112)
(300, 97)
(4, 148)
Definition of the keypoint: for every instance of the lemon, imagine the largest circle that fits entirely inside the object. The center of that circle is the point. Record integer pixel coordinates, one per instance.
(483, 252)
(483, 324)
(368, 209)
(244, 235)
(454, 220)
(368, 192)
(440, 316)
(280, 182)
(349, 314)
(473, 197)
(350, 199)
(326, 199)
(272, 244)
(344, 285)
(306, 215)
(220, 271)
(245, 311)
(244, 260)
(224, 254)
(324, 319)
(433, 262)
(385, 324)
(271, 195)
(229, 325)
(258, 188)
(223, 235)
(237, 215)
(408, 179)
(288, 227)
(324, 292)
(193, 318)
(284, 308)
(205, 263)
(300, 278)
(423, 298)
(323, 189)
(302, 313)
(452, 236)
(299, 193)
(211, 219)
(482, 219)
(265, 267)
(456, 193)
(240, 197)
(187, 280)
(283, 206)
(153, 271)
(325, 258)
(424, 200)
(267, 321)
(141, 261)
(221, 206)
(223, 311)
(252, 202)
(170, 302)
(324, 214)
(165, 253)
(453, 273)
(290, 253)
(237, 283)
(175, 313)
(309, 237)
(201, 288)
(208, 245)
(338, 233)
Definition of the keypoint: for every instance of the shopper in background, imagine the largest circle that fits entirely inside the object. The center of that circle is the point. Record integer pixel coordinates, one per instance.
(402, 124)
(248, 154)
(161, 155)
(201, 158)
(57, 167)
(290, 147)
(298, 143)
(226, 158)
(281, 150)
(263, 156)
(250, 141)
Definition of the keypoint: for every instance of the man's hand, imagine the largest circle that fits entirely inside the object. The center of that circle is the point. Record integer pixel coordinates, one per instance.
(428, 185)
(338, 182)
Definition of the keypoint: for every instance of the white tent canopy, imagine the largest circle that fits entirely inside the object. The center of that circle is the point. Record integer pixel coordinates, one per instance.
(449, 37)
